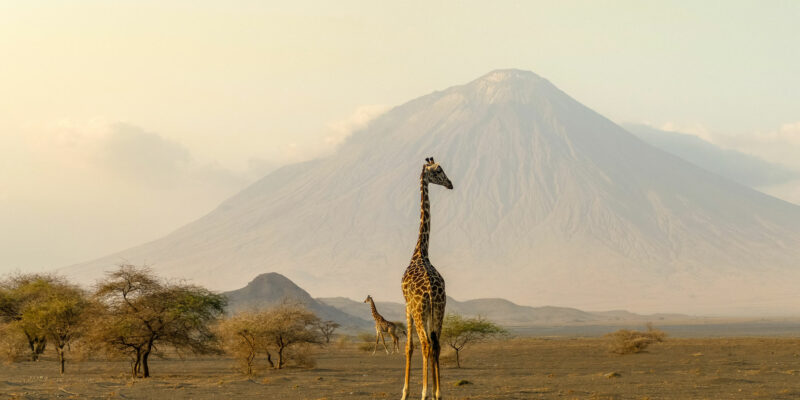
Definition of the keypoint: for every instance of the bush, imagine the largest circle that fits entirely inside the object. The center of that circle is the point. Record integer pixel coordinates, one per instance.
(365, 341)
(13, 346)
(285, 331)
(626, 341)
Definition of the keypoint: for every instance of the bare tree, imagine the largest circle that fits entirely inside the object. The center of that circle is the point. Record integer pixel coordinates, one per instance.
(327, 328)
(142, 312)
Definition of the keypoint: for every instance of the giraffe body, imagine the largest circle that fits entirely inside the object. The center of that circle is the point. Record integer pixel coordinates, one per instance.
(424, 292)
(383, 326)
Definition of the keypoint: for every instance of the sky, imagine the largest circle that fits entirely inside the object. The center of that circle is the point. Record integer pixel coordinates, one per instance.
(121, 121)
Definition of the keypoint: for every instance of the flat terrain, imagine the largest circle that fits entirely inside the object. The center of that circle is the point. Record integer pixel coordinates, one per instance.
(520, 368)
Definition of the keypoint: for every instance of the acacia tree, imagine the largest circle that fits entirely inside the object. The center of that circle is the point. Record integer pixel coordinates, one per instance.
(16, 295)
(289, 325)
(243, 336)
(327, 328)
(458, 332)
(142, 312)
(58, 314)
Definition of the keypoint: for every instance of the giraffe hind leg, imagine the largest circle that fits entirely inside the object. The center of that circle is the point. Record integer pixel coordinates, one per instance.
(424, 343)
(396, 343)
(435, 351)
(384, 343)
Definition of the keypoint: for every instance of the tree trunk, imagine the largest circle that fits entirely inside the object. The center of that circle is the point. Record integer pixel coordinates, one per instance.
(146, 367)
(31, 344)
(137, 364)
(269, 360)
(458, 361)
(37, 345)
(60, 351)
(250, 357)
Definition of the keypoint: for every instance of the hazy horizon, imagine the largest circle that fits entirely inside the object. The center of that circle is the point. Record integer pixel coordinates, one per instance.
(122, 122)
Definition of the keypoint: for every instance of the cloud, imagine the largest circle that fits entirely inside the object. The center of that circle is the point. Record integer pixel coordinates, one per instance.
(132, 153)
(336, 133)
(80, 189)
(696, 129)
(127, 154)
(359, 119)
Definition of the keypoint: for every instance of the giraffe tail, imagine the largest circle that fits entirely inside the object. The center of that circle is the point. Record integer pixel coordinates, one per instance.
(433, 336)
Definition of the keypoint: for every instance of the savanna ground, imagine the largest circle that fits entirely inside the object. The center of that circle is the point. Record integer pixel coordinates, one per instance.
(519, 368)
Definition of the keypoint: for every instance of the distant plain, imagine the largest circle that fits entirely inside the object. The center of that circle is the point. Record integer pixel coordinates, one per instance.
(515, 368)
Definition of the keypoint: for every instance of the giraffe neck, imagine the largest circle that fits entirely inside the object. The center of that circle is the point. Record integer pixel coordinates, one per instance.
(375, 314)
(424, 220)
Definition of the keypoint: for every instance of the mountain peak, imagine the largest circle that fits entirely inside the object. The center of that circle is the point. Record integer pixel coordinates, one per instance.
(511, 74)
(509, 86)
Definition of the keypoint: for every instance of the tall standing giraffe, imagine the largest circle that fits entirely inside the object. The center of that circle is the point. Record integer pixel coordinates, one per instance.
(383, 326)
(423, 289)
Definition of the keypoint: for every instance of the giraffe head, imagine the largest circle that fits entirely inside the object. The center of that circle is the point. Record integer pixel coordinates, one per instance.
(432, 172)
(367, 300)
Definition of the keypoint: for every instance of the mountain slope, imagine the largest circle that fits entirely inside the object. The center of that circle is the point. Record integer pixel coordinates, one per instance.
(553, 204)
(736, 166)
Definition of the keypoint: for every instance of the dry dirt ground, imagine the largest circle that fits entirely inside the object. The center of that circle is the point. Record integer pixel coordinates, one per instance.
(521, 368)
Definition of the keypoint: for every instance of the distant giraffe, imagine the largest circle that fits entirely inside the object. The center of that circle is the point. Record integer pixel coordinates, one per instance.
(383, 326)
(423, 289)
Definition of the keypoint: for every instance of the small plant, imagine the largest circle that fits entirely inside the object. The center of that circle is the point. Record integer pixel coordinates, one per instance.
(626, 341)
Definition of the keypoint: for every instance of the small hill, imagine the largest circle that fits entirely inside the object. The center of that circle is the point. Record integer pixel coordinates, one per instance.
(390, 310)
(271, 289)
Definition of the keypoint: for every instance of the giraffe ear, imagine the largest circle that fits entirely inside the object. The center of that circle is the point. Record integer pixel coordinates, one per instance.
(432, 160)
(427, 159)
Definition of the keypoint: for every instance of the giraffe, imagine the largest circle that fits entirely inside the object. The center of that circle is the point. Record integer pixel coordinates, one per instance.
(383, 326)
(423, 289)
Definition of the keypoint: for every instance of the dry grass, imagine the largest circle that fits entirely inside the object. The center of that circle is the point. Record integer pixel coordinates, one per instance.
(521, 368)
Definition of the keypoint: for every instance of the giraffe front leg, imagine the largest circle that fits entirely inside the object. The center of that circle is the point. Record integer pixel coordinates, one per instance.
(377, 339)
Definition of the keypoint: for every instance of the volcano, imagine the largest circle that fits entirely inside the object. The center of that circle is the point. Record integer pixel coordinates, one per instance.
(553, 204)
